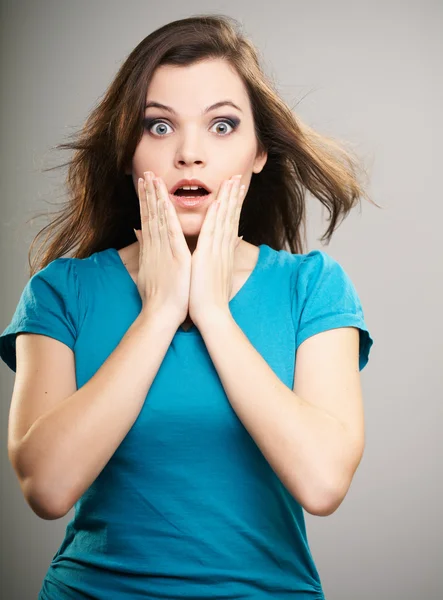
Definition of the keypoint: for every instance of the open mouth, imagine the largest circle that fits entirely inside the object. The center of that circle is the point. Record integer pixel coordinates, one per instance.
(191, 193)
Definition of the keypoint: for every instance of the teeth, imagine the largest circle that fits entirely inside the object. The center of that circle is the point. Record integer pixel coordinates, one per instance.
(189, 187)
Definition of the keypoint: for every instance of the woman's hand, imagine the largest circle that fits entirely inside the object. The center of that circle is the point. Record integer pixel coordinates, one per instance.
(164, 259)
(213, 259)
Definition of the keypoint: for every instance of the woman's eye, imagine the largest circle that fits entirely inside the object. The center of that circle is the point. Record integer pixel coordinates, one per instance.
(230, 123)
(151, 124)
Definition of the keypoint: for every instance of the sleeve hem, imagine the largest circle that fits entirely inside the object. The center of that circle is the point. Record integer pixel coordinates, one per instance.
(334, 322)
(8, 340)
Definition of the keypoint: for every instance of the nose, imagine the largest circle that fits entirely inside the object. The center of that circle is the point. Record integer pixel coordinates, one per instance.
(190, 151)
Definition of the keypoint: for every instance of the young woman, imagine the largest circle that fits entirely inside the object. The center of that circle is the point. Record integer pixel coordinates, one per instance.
(187, 391)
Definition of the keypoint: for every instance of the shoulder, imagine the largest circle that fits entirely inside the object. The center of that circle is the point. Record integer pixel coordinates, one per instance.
(316, 268)
(59, 274)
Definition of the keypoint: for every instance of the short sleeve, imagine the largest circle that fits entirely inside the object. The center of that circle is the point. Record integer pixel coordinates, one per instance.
(325, 298)
(48, 305)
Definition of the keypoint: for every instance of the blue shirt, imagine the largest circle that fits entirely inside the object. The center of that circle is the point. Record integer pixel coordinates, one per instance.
(187, 506)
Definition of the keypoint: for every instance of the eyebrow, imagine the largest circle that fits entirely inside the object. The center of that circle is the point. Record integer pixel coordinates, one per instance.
(207, 109)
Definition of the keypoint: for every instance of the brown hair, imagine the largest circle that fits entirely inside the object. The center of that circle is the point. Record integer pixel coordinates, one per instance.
(103, 207)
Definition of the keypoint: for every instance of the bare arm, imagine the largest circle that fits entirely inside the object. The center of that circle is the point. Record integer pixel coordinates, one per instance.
(68, 446)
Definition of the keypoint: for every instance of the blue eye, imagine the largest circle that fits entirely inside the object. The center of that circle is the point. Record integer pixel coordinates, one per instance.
(150, 123)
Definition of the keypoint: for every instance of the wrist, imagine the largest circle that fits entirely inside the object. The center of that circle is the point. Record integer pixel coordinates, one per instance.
(212, 317)
(160, 318)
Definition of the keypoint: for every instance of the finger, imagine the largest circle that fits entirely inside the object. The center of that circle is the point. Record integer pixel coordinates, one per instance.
(223, 199)
(205, 238)
(143, 213)
(162, 222)
(152, 212)
(238, 209)
(227, 239)
(174, 230)
(230, 231)
(142, 202)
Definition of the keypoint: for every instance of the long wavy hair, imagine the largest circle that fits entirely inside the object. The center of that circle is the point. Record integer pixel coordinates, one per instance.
(102, 208)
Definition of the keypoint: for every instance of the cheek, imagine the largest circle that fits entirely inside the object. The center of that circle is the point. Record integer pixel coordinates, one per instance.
(243, 162)
(145, 158)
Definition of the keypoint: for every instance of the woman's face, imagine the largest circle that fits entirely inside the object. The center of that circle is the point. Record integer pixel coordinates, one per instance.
(210, 146)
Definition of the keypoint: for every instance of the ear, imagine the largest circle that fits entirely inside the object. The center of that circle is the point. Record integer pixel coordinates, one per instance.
(260, 161)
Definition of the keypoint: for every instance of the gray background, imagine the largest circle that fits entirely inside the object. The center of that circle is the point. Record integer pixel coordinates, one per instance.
(368, 72)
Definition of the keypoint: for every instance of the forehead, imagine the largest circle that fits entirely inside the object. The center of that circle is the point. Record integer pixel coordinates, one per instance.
(189, 89)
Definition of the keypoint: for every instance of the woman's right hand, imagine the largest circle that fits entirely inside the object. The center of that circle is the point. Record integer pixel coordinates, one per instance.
(164, 258)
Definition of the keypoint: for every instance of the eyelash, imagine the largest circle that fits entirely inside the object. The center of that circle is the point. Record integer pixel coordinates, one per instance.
(234, 122)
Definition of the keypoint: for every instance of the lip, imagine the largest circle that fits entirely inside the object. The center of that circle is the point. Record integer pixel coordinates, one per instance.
(194, 202)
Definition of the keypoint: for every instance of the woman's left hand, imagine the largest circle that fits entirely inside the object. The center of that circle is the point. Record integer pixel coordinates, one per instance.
(213, 258)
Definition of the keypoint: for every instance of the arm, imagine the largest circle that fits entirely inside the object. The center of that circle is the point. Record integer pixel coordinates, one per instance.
(310, 450)
(67, 447)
